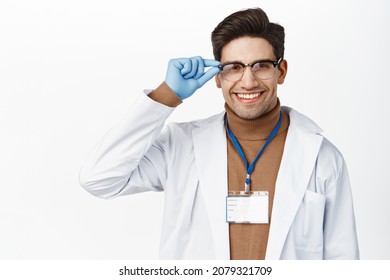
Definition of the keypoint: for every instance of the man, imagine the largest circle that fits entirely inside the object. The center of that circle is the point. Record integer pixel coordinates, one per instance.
(258, 181)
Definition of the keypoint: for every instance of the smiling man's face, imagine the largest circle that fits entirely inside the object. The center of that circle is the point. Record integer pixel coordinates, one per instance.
(250, 97)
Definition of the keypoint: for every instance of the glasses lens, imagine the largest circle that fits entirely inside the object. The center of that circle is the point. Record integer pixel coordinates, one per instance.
(232, 72)
(263, 70)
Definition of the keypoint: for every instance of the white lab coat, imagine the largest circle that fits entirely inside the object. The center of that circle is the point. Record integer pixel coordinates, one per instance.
(312, 215)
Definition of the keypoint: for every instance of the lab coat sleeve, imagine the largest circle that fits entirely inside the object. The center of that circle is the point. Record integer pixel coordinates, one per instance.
(129, 158)
(340, 237)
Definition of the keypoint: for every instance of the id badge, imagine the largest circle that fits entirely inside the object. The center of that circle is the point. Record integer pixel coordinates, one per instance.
(247, 207)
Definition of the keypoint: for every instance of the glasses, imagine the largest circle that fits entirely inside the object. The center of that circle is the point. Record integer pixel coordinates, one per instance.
(262, 69)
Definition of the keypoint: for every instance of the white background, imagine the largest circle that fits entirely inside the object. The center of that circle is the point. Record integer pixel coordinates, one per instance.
(69, 70)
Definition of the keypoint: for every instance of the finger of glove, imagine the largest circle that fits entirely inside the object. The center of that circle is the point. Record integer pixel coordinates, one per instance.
(200, 70)
(207, 76)
(211, 63)
(177, 63)
(202, 63)
(175, 67)
(186, 66)
(194, 69)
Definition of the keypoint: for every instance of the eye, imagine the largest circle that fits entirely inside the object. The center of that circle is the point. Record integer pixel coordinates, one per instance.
(234, 67)
(261, 66)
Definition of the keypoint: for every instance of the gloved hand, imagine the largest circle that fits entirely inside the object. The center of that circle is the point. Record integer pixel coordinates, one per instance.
(186, 75)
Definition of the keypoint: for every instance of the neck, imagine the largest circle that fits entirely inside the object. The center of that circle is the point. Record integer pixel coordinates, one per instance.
(254, 129)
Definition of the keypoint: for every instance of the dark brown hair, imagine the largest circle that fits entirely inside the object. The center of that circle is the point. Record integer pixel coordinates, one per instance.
(250, 22)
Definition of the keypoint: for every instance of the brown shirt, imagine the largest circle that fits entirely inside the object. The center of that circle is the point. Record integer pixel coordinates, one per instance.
(249, 241)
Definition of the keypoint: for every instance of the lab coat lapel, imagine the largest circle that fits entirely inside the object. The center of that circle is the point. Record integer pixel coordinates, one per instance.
(211, 163)
(300, 153)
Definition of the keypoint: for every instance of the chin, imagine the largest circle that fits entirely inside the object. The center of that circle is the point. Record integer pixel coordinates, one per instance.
(249, 115)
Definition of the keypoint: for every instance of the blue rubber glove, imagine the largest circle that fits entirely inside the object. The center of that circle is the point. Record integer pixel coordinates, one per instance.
(186, 75)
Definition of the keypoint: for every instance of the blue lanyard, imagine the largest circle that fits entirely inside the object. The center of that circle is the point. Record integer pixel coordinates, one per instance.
(249, 168)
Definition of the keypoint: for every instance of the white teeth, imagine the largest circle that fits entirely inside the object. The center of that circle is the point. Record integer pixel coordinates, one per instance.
(248, 96)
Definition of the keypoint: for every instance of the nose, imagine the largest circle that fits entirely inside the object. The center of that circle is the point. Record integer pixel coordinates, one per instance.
(248, 80)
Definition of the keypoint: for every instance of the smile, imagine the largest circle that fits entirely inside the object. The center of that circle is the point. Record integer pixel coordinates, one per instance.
(248, 95)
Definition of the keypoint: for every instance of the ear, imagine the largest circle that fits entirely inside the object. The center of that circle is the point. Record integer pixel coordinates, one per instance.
(282, 71)
(218, 80)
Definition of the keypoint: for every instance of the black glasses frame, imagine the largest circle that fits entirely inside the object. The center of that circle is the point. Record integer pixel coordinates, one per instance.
(274, 63)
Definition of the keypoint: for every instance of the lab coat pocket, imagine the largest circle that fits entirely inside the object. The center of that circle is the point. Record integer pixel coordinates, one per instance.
(308, 223)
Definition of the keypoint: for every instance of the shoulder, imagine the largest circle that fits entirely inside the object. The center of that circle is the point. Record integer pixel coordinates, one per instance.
(179, 132)
(301, 122)
(217, 119)
(330, 161)
(329, 157)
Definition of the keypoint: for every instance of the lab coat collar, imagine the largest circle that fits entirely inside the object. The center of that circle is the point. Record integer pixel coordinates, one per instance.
(301, 148)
